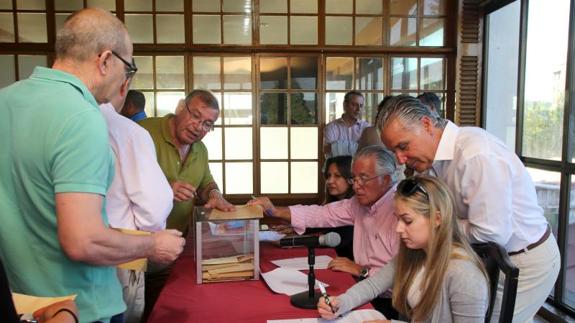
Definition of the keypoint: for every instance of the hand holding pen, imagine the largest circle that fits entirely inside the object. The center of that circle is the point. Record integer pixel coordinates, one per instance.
(327, 305)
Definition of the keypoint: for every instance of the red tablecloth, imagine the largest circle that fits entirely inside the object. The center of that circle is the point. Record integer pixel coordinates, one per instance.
(182, 300)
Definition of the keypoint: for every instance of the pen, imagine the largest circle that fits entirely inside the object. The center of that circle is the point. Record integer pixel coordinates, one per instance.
(324, 294)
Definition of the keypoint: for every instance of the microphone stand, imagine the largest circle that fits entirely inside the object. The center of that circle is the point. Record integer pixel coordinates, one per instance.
(307, 299)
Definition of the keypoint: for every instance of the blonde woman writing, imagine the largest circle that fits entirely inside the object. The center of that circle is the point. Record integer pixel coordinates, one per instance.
(436, 276)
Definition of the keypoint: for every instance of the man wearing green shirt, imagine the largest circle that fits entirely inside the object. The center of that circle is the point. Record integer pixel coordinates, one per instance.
(56, 166)
(184, 160)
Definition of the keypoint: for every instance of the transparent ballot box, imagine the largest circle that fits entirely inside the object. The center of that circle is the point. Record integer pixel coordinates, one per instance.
(227, 244)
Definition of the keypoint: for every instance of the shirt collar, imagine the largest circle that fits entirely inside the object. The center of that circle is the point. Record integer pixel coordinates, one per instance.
(55, 75)
(446, 147)
(357, 122)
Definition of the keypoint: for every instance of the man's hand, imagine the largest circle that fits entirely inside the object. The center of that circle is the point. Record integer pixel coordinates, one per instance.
(183, 191)
(46, 313)
(218, 202)
(345, 265)
(168, 245)
(325, 311)
(266, 203)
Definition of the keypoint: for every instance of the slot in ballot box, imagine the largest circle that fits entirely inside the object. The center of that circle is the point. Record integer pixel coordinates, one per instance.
(227, 244)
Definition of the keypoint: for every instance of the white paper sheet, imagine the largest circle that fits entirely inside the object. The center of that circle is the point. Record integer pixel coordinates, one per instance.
(287, 281)
(271, 235)
(300, 263)
(351, 317)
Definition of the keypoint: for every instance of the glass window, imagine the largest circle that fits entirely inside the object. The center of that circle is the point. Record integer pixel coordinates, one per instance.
(368, 30)
(274, 177)
(339, 6)
(213, 141)
(237, 30)
(404, 73)
(547, 186)
(402, 31)
(237, 73)
(303, 30)
(569, 290)
(273, 143)
(32, 28)
(273, 30)
(170, 72)
(339, 73)
(243, 178)
(304, 177)
(303, 6)
(140, 27)
(8, 75)
(170, 29)
(206, 72)
(274, 107)
(273, 6)
(238, 143)
(27, 63)
(206, 29)
(338, 30)
(6, 27)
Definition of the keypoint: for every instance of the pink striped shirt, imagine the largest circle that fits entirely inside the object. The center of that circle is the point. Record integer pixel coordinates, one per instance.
(375, 241)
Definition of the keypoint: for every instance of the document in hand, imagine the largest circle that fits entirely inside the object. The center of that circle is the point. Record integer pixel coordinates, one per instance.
(351, 317)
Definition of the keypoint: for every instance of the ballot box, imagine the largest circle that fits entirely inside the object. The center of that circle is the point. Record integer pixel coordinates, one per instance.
(227, 244)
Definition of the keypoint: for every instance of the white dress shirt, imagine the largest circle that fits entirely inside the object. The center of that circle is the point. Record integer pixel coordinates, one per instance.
(492, 188)
(140, 196)
(343, 138)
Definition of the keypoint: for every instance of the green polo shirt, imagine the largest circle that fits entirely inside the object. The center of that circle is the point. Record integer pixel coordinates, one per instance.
(193, 170)
(54, 140)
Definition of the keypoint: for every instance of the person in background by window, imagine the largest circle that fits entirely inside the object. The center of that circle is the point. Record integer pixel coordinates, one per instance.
(494, 193)
(341, 135)
(134, 106)
(370, 135)
(436, 276)
(431, 101)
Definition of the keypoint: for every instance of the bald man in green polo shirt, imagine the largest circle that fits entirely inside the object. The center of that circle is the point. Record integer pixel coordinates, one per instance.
(184, 160)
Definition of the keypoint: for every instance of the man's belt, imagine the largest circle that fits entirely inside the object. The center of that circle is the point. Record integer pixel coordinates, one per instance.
(535, 244)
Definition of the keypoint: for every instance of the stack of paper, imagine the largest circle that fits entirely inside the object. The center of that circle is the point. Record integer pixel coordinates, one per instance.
(228, 268)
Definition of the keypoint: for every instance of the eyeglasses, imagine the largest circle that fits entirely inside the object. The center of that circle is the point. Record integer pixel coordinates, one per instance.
(205, 125)
(409, 186)
(362, 180)
(131, 68)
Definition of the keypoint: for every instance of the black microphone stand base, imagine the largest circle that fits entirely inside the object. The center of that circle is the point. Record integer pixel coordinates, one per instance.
(303, 300)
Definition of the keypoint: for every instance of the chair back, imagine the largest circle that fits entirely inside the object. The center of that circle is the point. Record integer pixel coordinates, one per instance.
(495, 259)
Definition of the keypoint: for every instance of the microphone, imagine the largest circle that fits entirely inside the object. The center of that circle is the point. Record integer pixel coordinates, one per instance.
(331, 239)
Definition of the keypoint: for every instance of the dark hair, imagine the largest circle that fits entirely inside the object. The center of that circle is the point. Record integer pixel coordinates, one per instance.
(430, 100)
(343, 164)
(382, 104)
(349, 94)
(137, 98)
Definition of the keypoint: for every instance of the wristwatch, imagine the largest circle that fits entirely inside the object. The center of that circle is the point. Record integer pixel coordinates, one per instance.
(364, 273)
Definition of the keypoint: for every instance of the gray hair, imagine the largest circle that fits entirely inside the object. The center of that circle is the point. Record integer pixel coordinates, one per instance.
(385, 162)
(206, 97)
(407, 109)
(90, 31)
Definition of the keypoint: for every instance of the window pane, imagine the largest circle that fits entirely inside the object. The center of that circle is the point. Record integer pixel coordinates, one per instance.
(502, 63)
(273, 73)
(7, 4)
(27, 63)
(144, 78)
(237, 6)
(150, 104)
(274, 143)
(304, 72)
(60, 19)
(333, 106)
(109, 5)
(206, 73)
(170, 72)
(370, 106)
(404, 73)
(274, 177)
(545, 70)
(172, 5)
(338, 30)
(32, 28)
(304, 177)
(237, 30)
(239, 178)
(8, 75)
(303, 6)
(432, 74)
(431, 33)
(339, 73)
(368, 7)
(170, 29)
(434, 7)
(303, 30)
(168, 101)
(273, 30)
(402, 31)
(206, 29)
(237, 108)
(547, 185)
(205, 6)
(237, 73)
(273, 6)
(140, 27)
(403, 7)
(569, 294)
(303, 108)
(6, 28)
(138, 5)
(339, 6)
(31, 4)
(68, 5)
(213, 141)
(303, 143)
(238, 143)
(368, 30)
(218, 174)
(273, 107)
(369, 73)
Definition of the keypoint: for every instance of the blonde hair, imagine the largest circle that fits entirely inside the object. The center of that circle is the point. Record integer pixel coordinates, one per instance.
(445, 242)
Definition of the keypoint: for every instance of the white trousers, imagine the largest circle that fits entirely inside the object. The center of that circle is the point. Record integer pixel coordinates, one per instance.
(538, 270)
(133, 292)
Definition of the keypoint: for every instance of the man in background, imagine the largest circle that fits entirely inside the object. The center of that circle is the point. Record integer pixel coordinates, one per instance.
(134, 106)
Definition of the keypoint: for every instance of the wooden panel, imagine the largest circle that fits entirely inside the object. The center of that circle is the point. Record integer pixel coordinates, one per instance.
(468, 107)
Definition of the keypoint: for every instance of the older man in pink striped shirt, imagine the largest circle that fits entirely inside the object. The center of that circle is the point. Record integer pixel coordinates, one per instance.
(370, 211)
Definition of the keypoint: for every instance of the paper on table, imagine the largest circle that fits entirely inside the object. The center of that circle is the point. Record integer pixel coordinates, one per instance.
(29, 304)
(138, 264)
(270, 235)
(300, 263)
(287, 281)
(351, 317)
